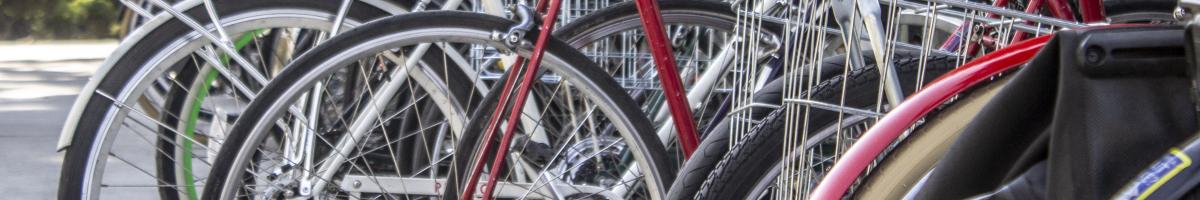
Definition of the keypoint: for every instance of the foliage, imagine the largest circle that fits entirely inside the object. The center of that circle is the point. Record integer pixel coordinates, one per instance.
(58, 19)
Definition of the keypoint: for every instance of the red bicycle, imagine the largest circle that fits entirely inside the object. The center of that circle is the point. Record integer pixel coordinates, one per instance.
(401, 98)
(810, 146)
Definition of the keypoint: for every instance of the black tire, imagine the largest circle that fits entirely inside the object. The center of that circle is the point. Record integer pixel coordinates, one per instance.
(585, 74)
(175, 112)
(718, 15)
(73, 173)
(176, 99)
(750, 160)
(624, 15)
(716, 142)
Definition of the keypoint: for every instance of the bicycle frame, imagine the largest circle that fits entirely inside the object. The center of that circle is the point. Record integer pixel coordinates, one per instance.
(661, 51)
(863, 152)
(677, 96)
(663, 58)
(1091, 10)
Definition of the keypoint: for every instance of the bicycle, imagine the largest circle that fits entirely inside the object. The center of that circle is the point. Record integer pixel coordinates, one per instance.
(855, 159)
(171, 115)
(342, 157)
(346, 143)
(817, 125)
(452, 123)
(145, 88)
(165, 122)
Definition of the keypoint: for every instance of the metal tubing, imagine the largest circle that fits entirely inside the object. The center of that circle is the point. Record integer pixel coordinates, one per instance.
(223, 46)
(341, 17)
(1061, 9)
(1065, 21)
(871, 16)
(1091, 11)
(1032, 7)
(664, 61)
(531, 72)
(212, 15)
(493, 124)
(362, 123)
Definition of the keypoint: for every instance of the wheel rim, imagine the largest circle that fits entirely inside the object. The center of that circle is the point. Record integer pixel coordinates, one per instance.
(120, 116)
(399, 39)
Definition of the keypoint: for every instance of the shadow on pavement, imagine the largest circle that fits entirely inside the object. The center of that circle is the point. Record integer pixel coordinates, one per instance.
(34, 100)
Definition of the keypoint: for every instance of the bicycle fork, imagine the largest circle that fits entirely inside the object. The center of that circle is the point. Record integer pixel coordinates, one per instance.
(530, 71)
(665, 63)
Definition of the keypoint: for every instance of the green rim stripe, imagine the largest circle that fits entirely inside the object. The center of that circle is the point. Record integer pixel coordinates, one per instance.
(194, 113)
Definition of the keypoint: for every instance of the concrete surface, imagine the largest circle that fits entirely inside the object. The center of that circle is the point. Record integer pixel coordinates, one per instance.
(38, 83)
(43, 51)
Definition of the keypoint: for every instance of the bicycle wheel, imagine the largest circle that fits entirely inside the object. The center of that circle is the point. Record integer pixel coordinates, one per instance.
(699, 29)
(582, 113)
(753, 163)
(807, 43)
(715, 145)
(130, 117)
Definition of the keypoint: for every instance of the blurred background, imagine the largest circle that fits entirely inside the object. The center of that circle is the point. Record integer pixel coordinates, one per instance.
(48, 50)
(32, 20)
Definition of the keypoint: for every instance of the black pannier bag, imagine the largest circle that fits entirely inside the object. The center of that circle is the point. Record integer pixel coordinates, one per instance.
(1093, 109)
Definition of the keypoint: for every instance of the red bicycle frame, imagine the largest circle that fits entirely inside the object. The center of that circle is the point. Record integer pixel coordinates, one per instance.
(1091, 10)
(660, 48)
(856, 159)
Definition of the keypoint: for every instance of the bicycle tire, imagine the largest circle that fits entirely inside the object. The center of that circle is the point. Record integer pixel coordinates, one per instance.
(624, 16)
(750, 160)
(716, 143)
(129, 64)
(620, 17)
(589, 76)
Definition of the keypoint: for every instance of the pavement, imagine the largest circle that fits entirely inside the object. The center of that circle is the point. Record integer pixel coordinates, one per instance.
(50, 51)
(38, 84)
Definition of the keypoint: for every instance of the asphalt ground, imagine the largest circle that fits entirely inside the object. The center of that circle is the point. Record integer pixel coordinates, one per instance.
(38, 84)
